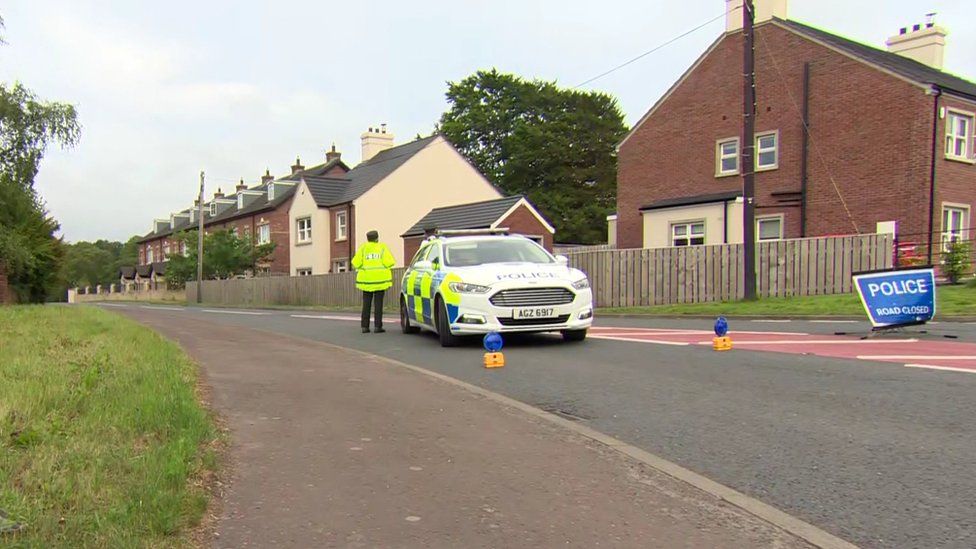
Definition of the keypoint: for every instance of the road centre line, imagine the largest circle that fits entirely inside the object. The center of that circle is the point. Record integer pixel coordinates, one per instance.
(634, 339)
(816, 342)
(916, 357)
(834, 321)
(112, 305)
(161, 308)
(946, 368)
(233, 312)
(771, 320)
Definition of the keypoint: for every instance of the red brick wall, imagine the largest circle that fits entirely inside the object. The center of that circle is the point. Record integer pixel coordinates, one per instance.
(871, 136)
(954, 181)
(410, 247)
(521, 221)
(342, 248)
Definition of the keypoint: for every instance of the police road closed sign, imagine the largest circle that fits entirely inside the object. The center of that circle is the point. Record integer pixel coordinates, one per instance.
(897, 297)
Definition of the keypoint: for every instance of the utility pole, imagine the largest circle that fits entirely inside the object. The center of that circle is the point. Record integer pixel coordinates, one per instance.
(200, 243)
(748, 150)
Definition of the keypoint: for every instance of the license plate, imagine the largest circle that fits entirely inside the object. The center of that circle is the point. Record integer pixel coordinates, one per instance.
(534, 312)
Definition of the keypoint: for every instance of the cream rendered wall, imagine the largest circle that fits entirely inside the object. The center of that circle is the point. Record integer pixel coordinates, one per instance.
(316, 254)
(436, 176)
(657, 223)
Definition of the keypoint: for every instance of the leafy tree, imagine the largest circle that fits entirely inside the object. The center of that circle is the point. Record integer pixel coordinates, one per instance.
(555, 145)
(955, 261)
(93, 263)
(30, 251)
(224, 256)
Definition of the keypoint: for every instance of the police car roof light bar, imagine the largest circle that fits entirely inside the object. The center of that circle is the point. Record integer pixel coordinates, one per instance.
(467, 232)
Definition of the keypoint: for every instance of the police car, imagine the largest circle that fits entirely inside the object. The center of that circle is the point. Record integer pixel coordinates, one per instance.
(468, 284)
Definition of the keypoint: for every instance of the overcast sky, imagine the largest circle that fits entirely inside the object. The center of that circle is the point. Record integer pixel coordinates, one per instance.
(166, 89)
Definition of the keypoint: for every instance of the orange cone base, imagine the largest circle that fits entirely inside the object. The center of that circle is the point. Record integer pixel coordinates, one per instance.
(722, 343)
(494, 360)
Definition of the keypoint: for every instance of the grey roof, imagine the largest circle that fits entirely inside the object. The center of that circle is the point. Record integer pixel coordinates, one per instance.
(144, 270)
(127, 272)
(908, 68)
(476, 215)
(159, 267)
(692, 200)
(329, 191)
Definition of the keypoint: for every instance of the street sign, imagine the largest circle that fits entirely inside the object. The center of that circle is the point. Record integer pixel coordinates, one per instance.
(897, 297)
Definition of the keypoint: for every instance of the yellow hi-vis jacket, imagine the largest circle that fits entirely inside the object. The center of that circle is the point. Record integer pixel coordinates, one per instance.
(373, 262)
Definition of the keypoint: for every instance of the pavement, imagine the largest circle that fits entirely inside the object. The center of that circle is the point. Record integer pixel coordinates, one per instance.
(333, 447)
(866, 449)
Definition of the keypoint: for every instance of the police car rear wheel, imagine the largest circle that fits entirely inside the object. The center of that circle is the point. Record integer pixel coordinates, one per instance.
(405, 325)
(444, 328)
(574, 335)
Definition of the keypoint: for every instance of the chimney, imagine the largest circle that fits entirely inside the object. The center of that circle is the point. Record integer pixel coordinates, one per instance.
(375, 141)
(765, 10)
(923, 43)
(218, 194)
(332, 154)
(267, 176)
(241, 186)
(298, 166)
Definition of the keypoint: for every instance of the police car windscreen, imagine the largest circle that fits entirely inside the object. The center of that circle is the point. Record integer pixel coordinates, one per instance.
(481, 252)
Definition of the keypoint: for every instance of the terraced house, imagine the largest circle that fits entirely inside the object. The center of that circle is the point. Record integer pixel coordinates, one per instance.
(850, 138)
(259, 212)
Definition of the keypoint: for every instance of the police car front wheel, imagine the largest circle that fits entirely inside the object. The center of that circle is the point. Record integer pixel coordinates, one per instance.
(444, 326)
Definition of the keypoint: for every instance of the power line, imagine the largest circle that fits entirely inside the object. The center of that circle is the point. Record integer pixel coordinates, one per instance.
(656, 48)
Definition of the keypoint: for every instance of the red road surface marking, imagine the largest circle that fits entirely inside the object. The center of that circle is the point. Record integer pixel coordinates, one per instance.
(916, 353)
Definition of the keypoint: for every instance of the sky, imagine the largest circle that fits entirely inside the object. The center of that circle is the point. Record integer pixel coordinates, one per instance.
(167, 89)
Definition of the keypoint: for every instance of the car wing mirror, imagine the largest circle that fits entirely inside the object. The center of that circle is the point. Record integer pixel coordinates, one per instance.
(562, 260)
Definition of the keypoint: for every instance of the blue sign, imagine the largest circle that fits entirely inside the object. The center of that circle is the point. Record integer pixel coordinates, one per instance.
(493, 342)
(721, 326)
(897, 297)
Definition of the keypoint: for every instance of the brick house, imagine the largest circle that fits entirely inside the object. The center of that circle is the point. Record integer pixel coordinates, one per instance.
(889, 144)
(388, 191)
(259, 212)
(514, 213)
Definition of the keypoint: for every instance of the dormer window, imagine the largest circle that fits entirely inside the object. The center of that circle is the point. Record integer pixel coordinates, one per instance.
(213, 209)
(270, 191)
(240, 201)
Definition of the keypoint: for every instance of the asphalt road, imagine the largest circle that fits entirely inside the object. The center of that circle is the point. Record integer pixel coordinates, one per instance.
(878, 454)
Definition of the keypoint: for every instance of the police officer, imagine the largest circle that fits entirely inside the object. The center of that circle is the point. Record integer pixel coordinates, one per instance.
(373, 262)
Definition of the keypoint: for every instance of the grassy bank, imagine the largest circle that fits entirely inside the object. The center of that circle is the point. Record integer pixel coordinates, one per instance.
(950, 301)
(101, 434)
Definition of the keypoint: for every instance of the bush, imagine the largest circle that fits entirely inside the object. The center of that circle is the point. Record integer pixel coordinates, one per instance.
(955, 261)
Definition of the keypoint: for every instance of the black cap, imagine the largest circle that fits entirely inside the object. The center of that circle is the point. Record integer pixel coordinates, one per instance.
(372, 236)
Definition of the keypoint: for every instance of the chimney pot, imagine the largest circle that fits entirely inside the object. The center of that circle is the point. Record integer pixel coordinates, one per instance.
(332, 154)
(218, 194)
(241, 186)
(267, 176)
(298, 166)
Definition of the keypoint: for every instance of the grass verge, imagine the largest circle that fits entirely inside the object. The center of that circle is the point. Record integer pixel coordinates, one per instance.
(951, 301)
(103, 441)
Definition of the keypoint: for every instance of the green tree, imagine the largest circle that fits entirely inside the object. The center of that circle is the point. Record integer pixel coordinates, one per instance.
(29, 249)
(224, 256)
(555, 145)
(955, 261)
(92, 263)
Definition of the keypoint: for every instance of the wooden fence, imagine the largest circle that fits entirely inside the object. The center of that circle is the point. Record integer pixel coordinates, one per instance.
(695, 274)
(622, 278)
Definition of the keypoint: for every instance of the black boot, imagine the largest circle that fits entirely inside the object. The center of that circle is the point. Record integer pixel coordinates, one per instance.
(365, 330)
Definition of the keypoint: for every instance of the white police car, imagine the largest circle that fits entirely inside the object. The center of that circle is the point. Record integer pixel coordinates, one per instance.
(474, 284)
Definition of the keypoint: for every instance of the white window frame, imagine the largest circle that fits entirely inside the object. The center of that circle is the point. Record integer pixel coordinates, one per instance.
(688, 234)
(341, 227)
(235, 232)
(303, 235)
(760, 220)
(271, 192)
(149, 255)
(165, 250)
(720, 156)
(240, 201)
(183, 248)
(951, 138)
(775, 151)
(264, 233)
(303, 271)
(340, 266)
(954, 234)
(213, 209)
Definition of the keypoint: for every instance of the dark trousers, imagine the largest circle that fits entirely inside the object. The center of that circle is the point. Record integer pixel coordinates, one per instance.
(376, 299)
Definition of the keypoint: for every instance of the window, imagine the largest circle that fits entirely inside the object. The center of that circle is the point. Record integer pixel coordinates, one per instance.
(340, 265)
(691, 233)
(235, 232)
(304, 271)
(340, 228)
(959, 130)
(149, 255)
(727, 157)
(483, 252)
(271, 192)
(240, 200)
(954, 219)
(769, 228)
(767, 157)
(213, 209)
(304, 226)
(421, 253)
(183, 248)
(435, 255)
(247, 233)
(264, 234)
(165, 250)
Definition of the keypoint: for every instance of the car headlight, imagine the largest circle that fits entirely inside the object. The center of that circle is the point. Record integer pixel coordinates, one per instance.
(465, 288)
(582, 284)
